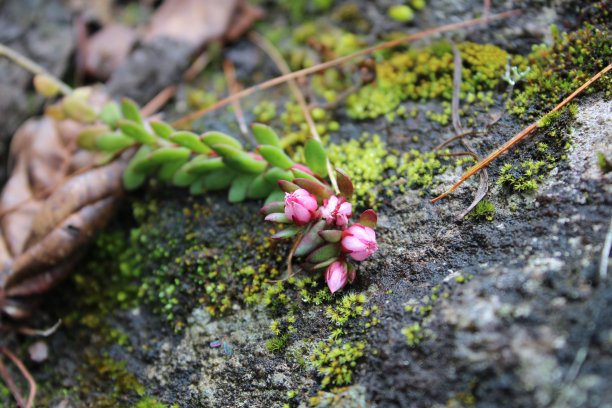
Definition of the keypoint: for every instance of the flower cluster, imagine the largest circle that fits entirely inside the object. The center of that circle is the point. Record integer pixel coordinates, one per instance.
(320, 221)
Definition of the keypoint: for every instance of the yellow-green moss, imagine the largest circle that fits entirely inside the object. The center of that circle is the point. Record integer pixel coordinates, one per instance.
(335, 361)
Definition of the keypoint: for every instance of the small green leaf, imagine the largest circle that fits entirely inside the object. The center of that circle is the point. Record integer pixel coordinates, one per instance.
(162, 129)
(112, 142)
(332, 236)
(110, 114)
(272, 207)
(302, 174)
(265, 135)
(136, 132)
(316, 159)
(87, 138)
(131, 111)
(197, 187)
(287, 186)
(316, 188)
(219, 179)
(325, 253)
(191, 141)
(131, 179)
(325, 264)
(238, 191)
(368, 218)
(311, 239)
(276, 195)
(344, 183)
(182, 179)
(240, 160)
(167, 170)
(212, 139)
(204, 164)
(276, 156)
(77, 108)
(279, 218)
(275, 174)
(160, 156)
(259, 188)
(288, 232)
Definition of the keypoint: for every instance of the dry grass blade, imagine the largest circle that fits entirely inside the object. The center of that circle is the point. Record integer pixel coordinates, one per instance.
(234, 87)
(26, 374)
(338, 61)
(521, 135)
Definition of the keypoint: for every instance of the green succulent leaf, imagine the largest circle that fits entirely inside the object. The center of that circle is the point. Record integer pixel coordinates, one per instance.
(162, 129)
(272, 207)
(276, 195)
(279, 218)
(219, 179)
(275, 174)
(167, 170)
(259, 188)
(110, 114)
(325, 264)
(325, 253)
(113, 142)
(191, 141)
(302, 174)
(265, 135)
(240, 160)
(332, 236)
(316, 158)
(77, 108)
(87, 138)
(211, 139)
(238, 190)
(288, 232)
(344, 183)
(368, 218)
(276, 156)
(316, 188)
(287, 186)
(131, 111)
(204, 164)
(136, 131)
(182, 179)
(311, 239)
(197, 187)
(131, 179)
(160, 156)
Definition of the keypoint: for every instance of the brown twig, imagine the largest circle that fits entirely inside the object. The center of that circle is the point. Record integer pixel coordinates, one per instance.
(280, 62)
(234, 87)
(338, 61)
(521, 135)
(8, 380)
(26, 374)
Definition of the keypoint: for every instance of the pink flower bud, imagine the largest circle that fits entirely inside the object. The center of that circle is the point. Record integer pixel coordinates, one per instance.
(336, 209)
(336, 276)
(359, 242)
(300, 206)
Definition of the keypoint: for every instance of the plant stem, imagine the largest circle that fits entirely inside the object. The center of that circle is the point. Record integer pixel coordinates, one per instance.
(32, 67)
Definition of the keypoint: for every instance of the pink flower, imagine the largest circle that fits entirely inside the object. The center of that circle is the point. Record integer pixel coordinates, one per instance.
(336, 209)
(336, 276)
(359, 242)
(300, 206)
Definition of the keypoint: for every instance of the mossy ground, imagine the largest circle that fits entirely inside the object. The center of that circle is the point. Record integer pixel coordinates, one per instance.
(159, 289)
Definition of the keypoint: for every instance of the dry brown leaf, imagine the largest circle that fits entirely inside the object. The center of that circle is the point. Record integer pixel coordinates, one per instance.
(107, 49)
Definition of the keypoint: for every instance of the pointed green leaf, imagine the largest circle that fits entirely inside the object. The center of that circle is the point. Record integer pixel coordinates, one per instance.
(311, 239)
(87, 138)
(302, 174)
(212, 139)
(160, 156)
(240, 160)
(136, 132)
(219, 179)
(275, 174)
(273, 207)
(112, 142)
(316, 159)
(162, 129)
(77, 108)
(332, 236)
(197, 187)
(131, 179)
(276, 195)
(368, 218)
(259, 188)
(265, 135)
(287, 186)
(110, 114)
(325, 264)
(276, 156)
(191, 141)
(204, 164)
(182, 179)
(316, 188)
(238, 191)
(344, 183)
(131, 111)
(287, 232)
(167, 170)
(325, 253)
(280, 218)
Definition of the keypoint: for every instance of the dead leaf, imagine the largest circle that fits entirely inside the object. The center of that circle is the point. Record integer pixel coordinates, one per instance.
(107, 49)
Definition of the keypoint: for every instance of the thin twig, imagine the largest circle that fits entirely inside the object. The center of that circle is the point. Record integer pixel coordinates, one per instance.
(605, 255)
(280, 62)
(234, 87)
(8, 380)
(26, 374)
(338, 61)
(32, 67)
(521, 135)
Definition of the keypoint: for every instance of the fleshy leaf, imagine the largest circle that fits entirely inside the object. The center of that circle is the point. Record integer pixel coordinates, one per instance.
(204, 164)
(87, 138)
(276, 195)
(131, 111)
(137, 132)
(280, 218)
(77, 108)
(288, 232)
(240, 160)
(316, 157)
(212, 139)
(344, 183)
(298, 173)
(311, 239)
(110, 113)
(325, 253)
(272, 207)
(182, 179)
(275, 174)
(191, 141)
(332, 236)
(238, 190)
(368, 218)
(219, 179)
(112, 142)
(265, 135)
(197, 187)
(160, 156)
(287, 186)
(259, 188)
(162, 129)
(276, 156)
(131, 179)
(314, 187)
(325, 264)
(167, 170)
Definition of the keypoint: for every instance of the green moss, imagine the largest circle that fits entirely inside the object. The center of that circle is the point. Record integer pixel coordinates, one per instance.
(335, 361)
(414, 334)
(265, 111)
(605, 165)
(401, 13)
(484, 210)
(347, 308)
(150, 402)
